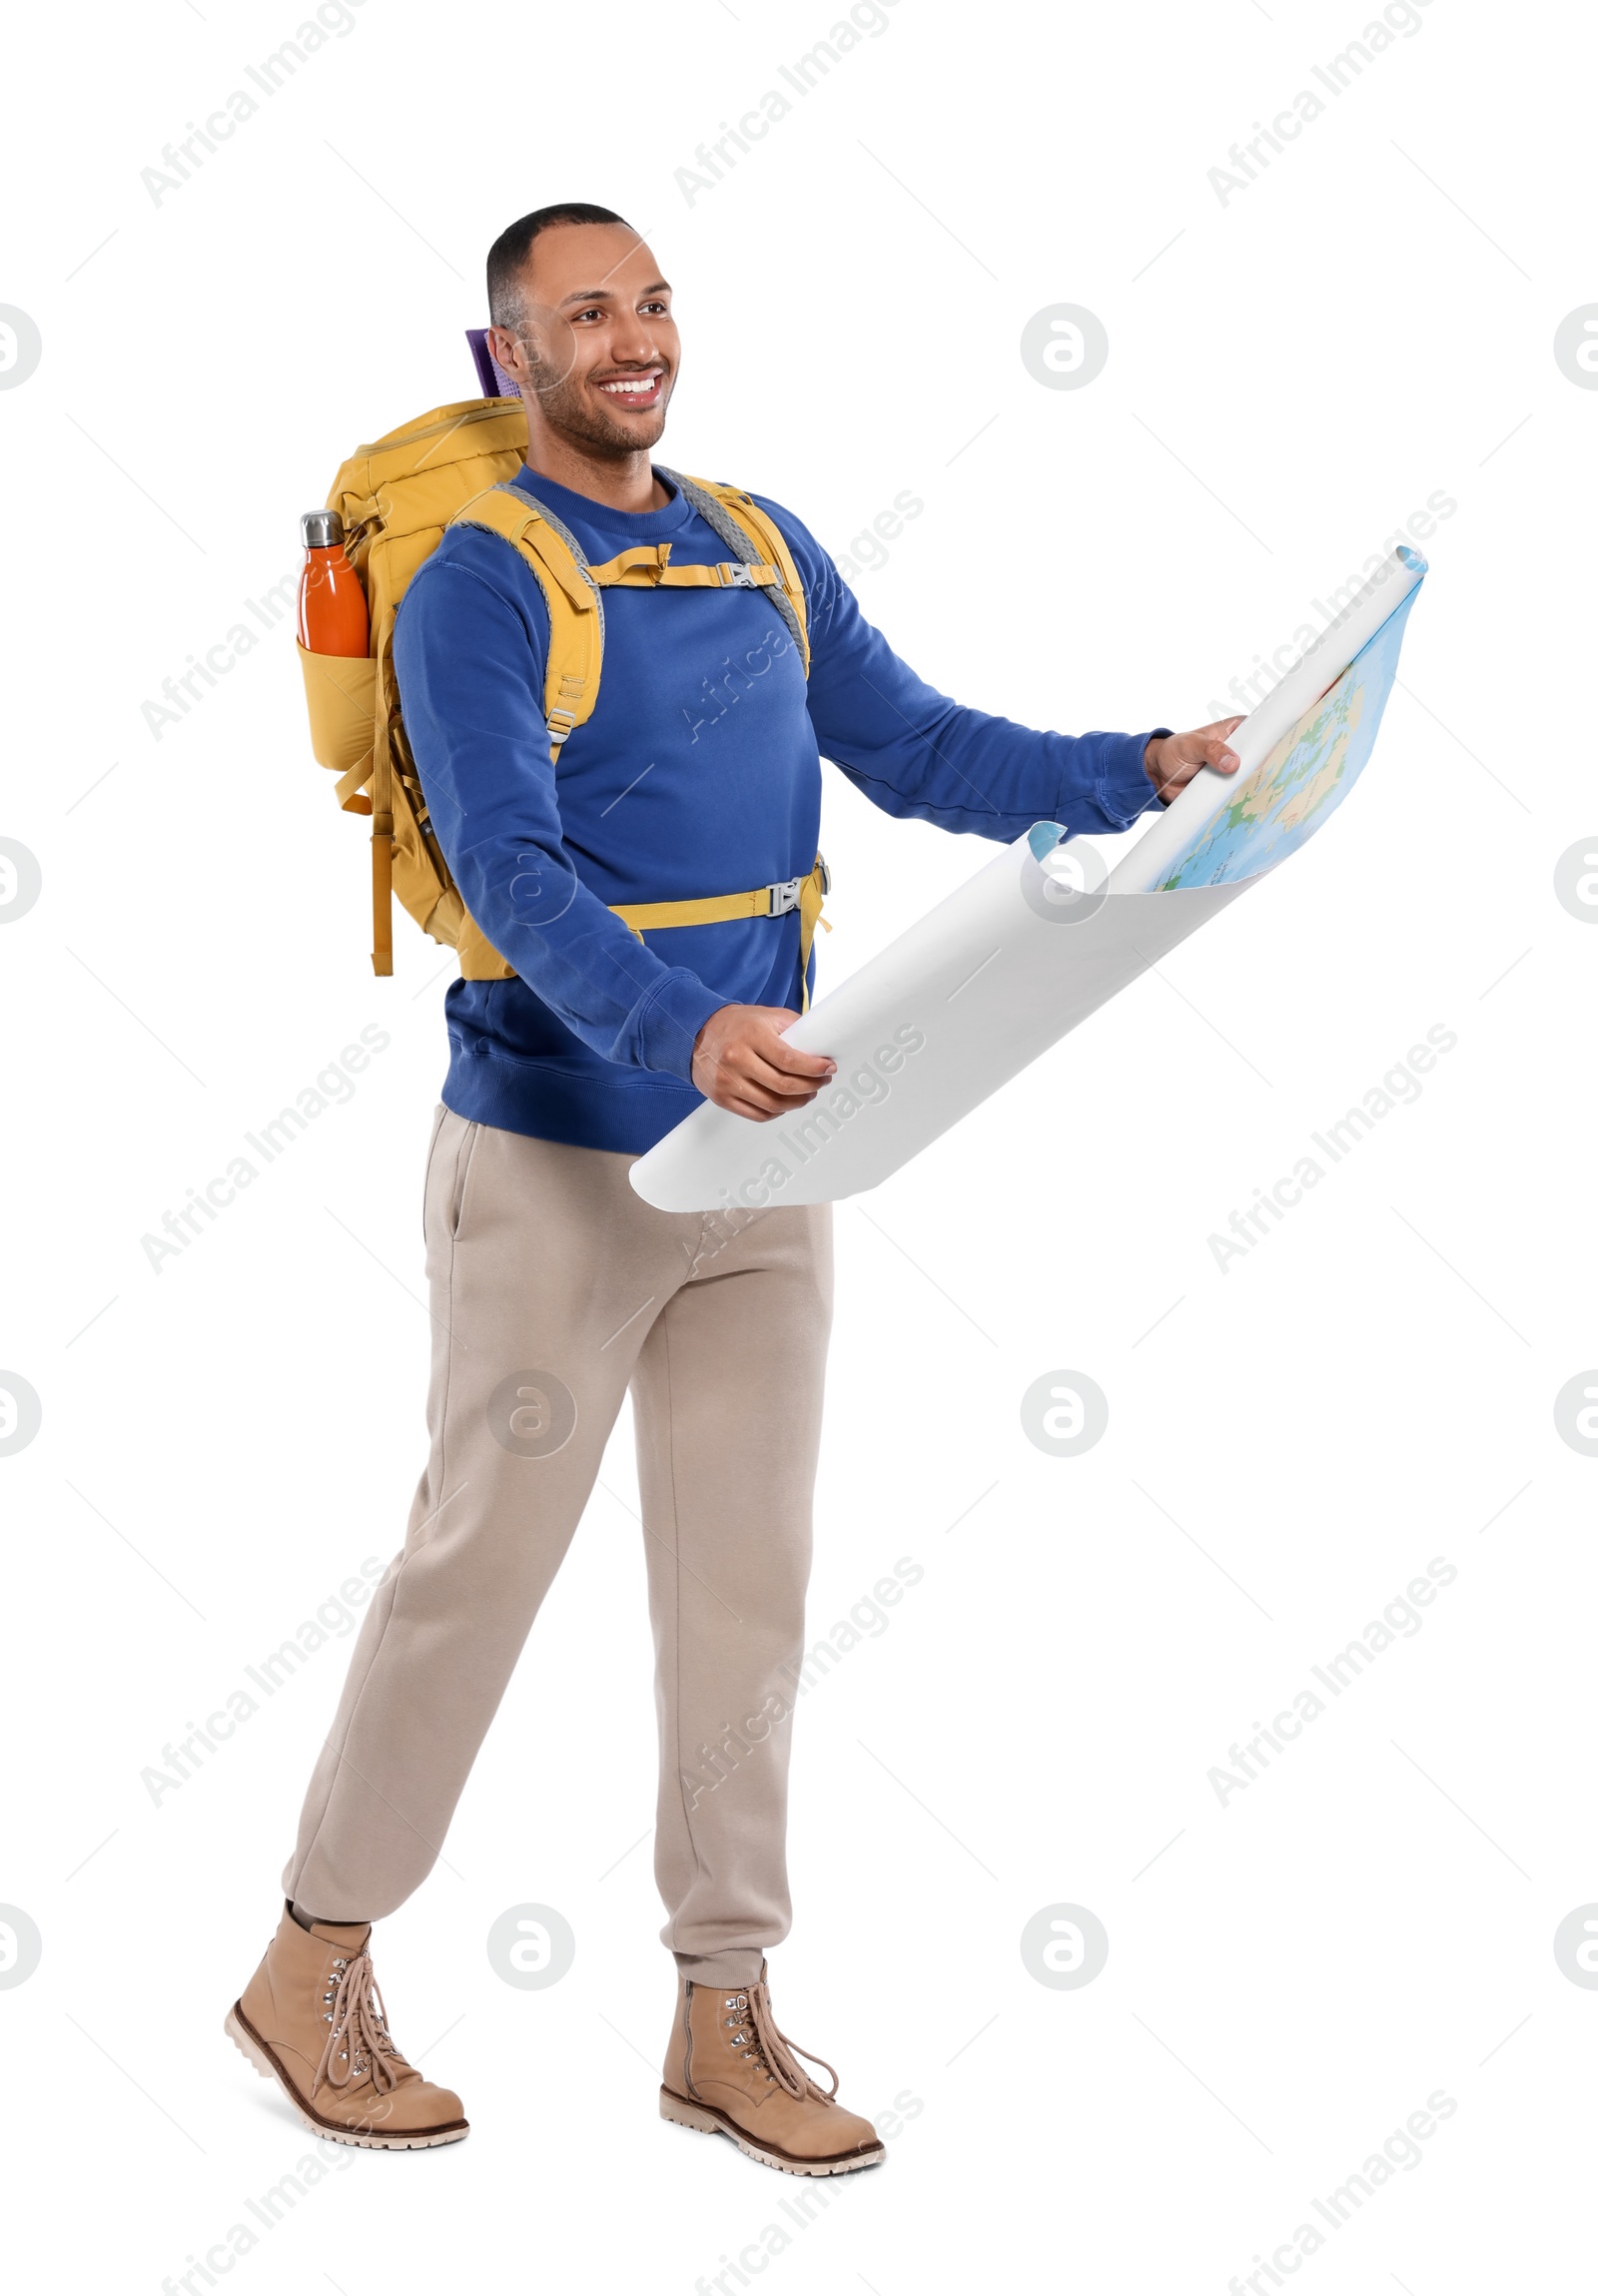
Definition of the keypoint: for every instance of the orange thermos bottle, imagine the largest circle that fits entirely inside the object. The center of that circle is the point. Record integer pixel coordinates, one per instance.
(332, 605)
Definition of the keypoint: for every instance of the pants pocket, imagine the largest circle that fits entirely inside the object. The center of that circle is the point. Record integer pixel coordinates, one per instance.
(465, 1150)
(438, 1116)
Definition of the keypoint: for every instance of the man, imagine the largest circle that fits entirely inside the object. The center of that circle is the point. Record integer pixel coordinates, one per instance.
(555, 1290)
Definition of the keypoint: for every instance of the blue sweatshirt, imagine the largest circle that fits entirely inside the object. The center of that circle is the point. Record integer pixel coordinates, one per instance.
(700, 772)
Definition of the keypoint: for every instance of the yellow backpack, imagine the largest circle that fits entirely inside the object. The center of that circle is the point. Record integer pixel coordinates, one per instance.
(396, 497)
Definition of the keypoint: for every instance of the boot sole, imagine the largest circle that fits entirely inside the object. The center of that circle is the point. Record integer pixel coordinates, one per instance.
(709, 2122)
(269, 2067)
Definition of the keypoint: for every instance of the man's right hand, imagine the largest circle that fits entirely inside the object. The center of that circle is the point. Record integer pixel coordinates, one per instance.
(743, 1062)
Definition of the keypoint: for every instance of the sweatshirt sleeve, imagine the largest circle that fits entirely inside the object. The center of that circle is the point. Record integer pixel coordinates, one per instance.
(472, 681)
(919, 755)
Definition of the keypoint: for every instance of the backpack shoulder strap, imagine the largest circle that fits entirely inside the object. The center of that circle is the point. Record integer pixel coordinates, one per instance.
(751, 535)
(577, 613)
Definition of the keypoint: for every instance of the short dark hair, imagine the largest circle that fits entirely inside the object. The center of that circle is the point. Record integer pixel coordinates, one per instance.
(509, 255)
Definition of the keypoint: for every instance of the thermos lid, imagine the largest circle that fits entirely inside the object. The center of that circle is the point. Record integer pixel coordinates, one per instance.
(320, 528)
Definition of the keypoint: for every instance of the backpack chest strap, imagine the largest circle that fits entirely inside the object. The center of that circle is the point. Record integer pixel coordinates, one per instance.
(648, 567)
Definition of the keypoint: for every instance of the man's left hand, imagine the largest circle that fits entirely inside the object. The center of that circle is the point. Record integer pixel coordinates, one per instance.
(1171, 760)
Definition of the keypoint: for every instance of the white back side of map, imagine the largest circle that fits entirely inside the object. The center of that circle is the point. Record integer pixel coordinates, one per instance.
(974, 991)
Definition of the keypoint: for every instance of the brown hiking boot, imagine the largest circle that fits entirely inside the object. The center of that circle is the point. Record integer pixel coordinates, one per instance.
(730, 2072)
(311, 2019)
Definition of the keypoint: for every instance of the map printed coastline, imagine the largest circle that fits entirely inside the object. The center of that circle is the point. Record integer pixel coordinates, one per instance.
(1284, 801)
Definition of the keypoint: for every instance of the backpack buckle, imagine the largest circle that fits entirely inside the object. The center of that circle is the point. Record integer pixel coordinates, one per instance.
(782, 898)
(560, 733)
(738, 578)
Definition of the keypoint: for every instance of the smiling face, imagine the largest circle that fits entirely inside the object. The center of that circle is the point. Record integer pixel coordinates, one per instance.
(593, 347)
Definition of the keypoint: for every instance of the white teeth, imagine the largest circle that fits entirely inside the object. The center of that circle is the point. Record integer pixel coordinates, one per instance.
(630, 387)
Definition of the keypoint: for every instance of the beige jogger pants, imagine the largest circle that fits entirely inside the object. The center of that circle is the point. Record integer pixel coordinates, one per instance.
(553, 1289)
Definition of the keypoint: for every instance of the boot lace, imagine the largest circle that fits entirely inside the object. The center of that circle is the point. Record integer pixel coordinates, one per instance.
(756, 2036)
(358, 2041)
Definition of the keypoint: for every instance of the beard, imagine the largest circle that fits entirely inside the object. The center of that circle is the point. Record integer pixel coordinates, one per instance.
(568, 409)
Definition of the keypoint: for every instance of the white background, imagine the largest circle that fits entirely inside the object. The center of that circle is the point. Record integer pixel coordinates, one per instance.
(1291, 373)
